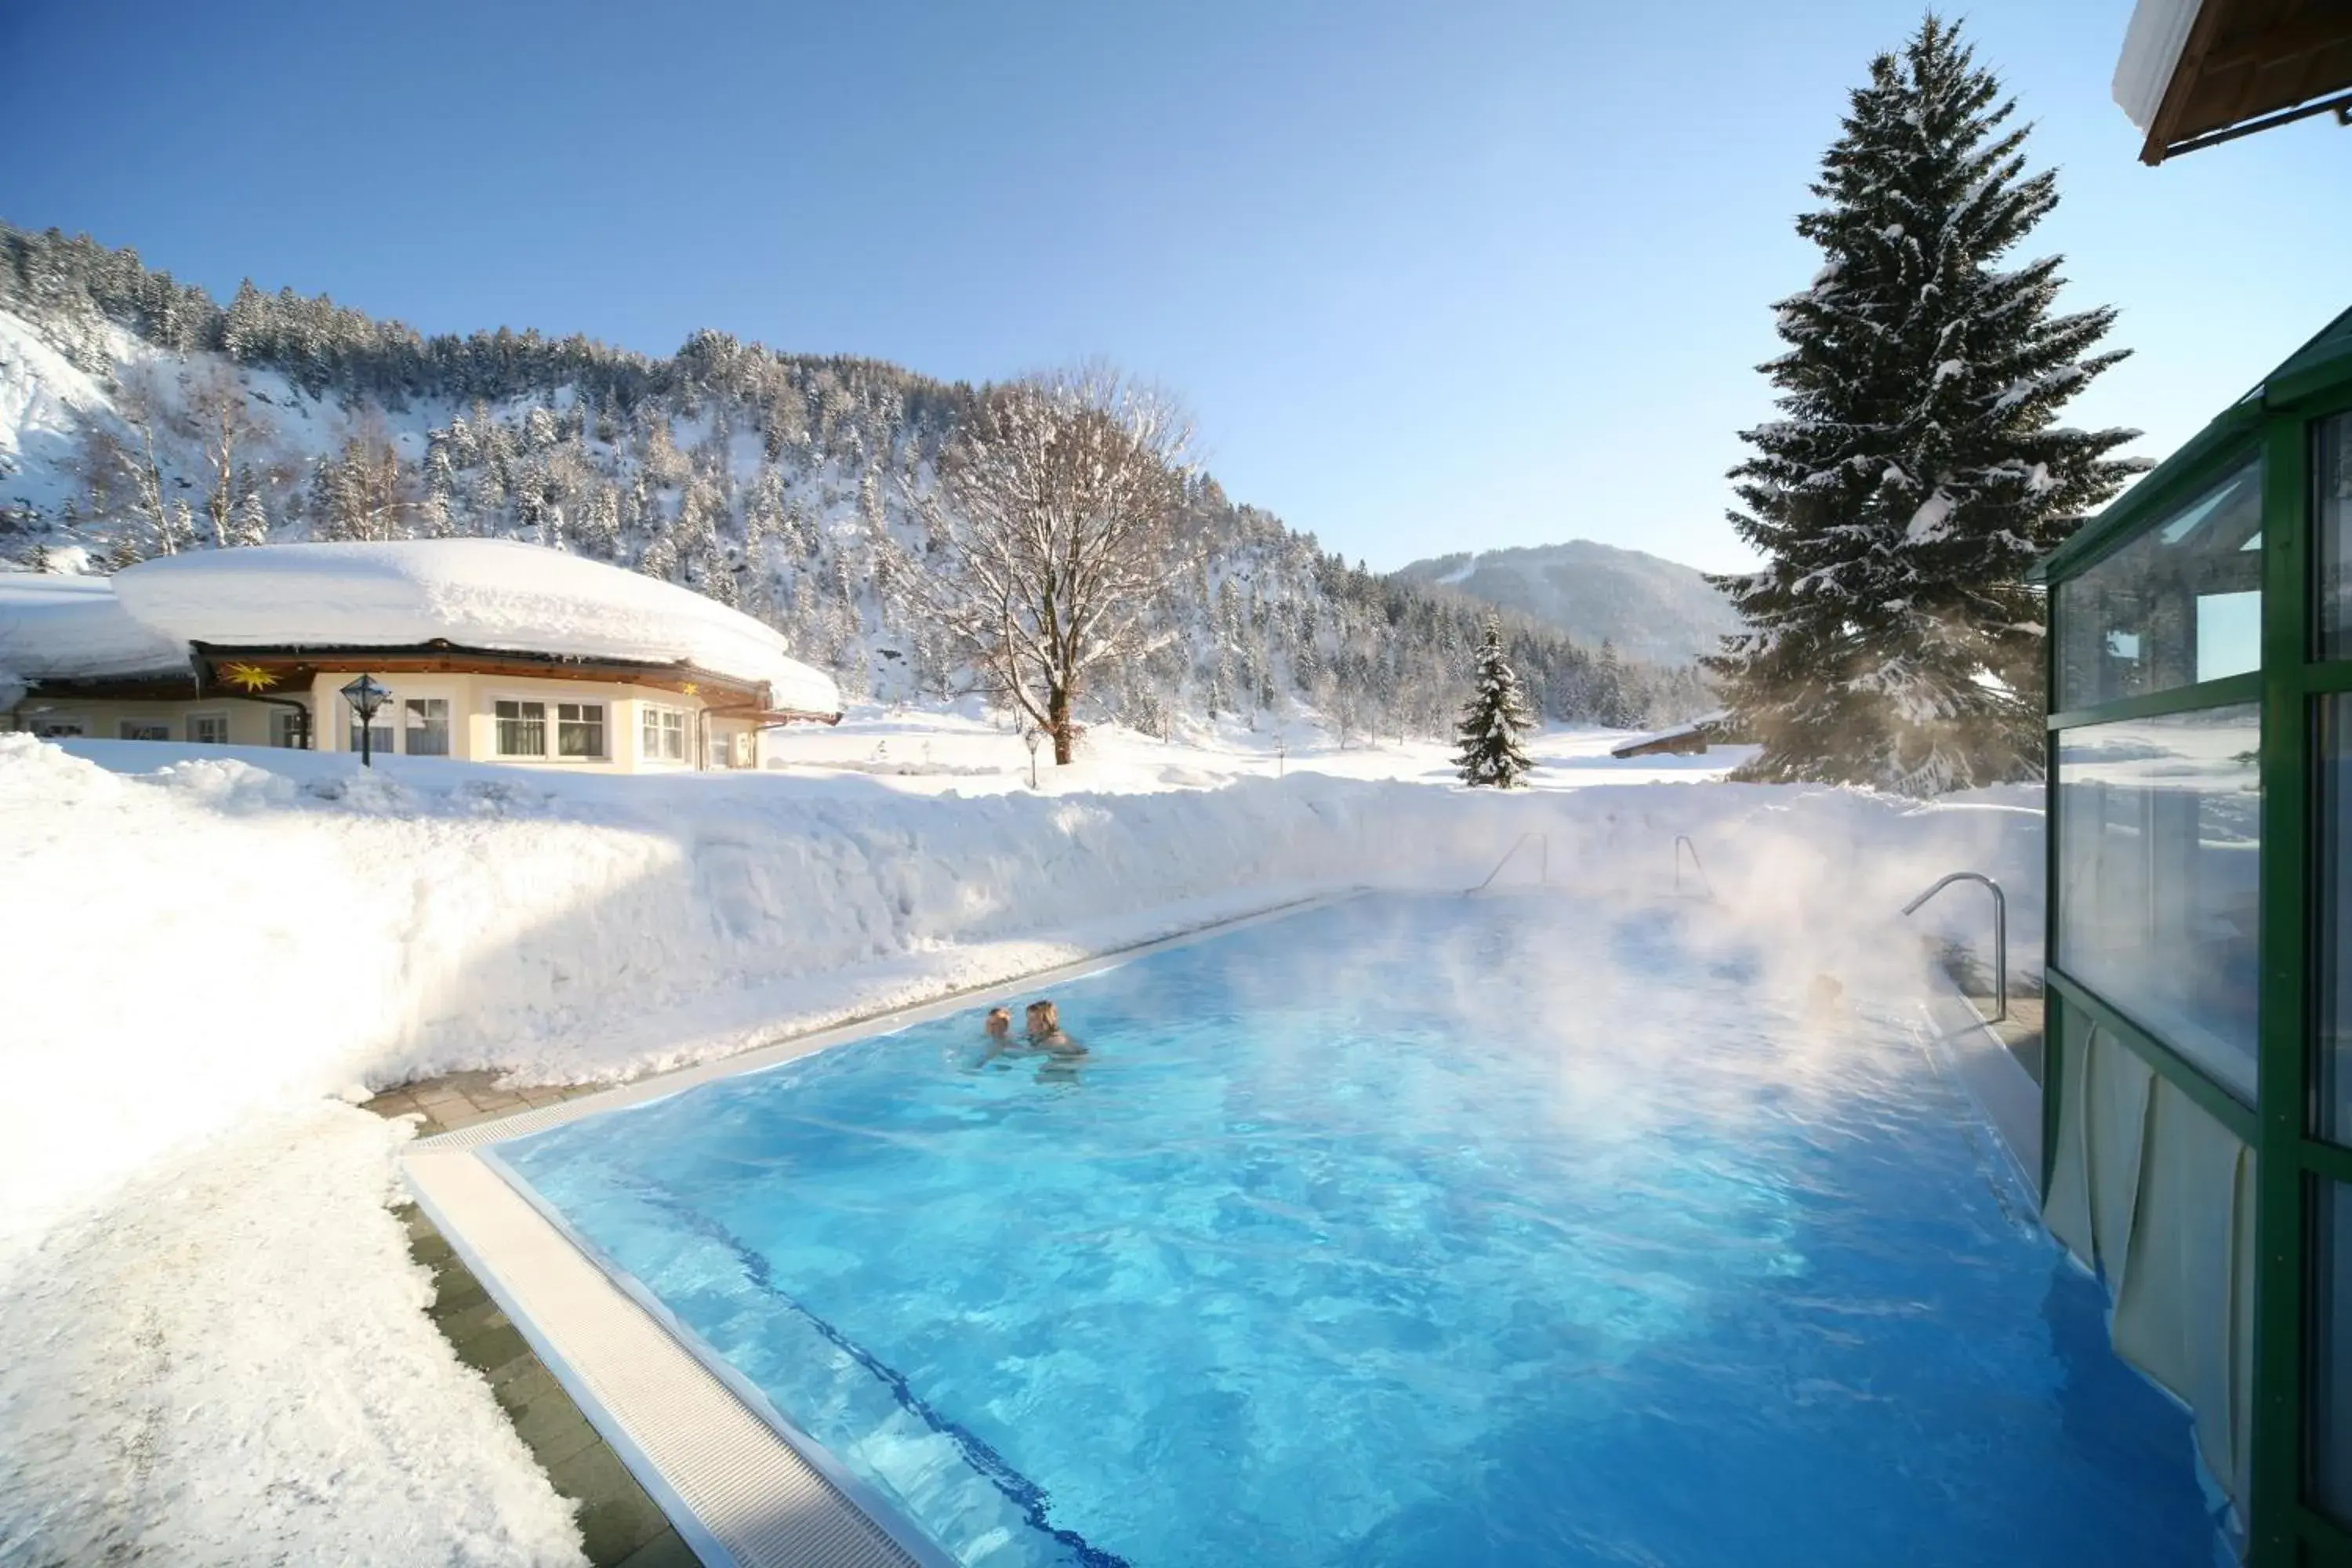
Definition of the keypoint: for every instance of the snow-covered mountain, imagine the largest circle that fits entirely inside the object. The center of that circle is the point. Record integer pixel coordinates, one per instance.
(137, 417)
(1648, 608)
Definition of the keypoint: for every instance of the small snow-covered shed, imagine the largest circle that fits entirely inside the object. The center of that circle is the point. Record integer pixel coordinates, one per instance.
(1689, 740)
(492, 650)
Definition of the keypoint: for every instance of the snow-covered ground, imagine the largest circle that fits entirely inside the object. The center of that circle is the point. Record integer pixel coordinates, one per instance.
(204, 948)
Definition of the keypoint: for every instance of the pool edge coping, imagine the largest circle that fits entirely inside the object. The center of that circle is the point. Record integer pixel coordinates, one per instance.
(643, 1389)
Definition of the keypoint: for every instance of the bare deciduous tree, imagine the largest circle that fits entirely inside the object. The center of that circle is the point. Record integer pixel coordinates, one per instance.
(364, 491)
(1052, 510)
(124, 481)
(223, 423)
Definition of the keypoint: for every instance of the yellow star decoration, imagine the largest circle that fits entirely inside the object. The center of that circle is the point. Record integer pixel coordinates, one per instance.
(689, 688)
(251, 677)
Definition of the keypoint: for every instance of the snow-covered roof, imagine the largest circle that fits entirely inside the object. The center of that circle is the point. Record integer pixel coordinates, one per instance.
(487, 593)
(2152, 45)
(71, 629)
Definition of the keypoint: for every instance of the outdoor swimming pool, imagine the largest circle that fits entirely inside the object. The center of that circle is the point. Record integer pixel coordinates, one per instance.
(1401, 1231)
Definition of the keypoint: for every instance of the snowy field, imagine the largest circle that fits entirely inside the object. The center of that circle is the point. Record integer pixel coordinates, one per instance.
(209, 952)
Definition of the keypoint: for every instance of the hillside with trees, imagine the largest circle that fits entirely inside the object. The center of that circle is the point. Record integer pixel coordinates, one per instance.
(139, 416)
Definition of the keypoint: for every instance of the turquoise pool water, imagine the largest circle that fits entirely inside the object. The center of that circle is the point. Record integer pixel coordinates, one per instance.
(1402, 1231)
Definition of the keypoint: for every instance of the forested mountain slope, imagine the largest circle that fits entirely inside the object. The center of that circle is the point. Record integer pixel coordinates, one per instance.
(139, 416)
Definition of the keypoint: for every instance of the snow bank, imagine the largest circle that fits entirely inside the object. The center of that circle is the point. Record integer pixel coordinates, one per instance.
(184, 948)
(235, 1367)
(475, 592)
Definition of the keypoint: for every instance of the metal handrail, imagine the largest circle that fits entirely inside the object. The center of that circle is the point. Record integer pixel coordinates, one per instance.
(1682, 842)
(1543, 863)
(1999, 933)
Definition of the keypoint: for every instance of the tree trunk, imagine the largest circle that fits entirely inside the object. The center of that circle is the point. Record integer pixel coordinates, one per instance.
(1057, 719)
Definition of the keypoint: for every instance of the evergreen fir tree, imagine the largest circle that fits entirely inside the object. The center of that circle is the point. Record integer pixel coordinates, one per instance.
(249, 524)
(1918, 468)
(1493, 721)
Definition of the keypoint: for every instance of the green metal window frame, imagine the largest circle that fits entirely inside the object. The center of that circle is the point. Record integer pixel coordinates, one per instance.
(2285, 1530)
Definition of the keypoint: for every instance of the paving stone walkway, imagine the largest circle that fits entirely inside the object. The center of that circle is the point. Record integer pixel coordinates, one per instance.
(622, 1527)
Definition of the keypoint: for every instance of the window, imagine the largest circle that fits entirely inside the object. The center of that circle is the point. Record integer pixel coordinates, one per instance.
(661, 734)
(2331, 469)
(208, 729)
(290, 728)
(59, 728)
(380, 734)
(580, 730)
(522, 729)
(2159, 832)
(428, 726)
(2179, 604)
(145, 730)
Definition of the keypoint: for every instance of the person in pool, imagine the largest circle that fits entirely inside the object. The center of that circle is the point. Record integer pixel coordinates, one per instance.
(998, 1027)
(1045, 1034)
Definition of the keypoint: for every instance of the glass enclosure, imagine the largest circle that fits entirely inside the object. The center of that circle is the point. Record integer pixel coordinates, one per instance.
(2200, 805)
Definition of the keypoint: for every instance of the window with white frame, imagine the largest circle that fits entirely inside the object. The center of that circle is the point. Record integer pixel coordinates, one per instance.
(208, 729)
(59, 728)
(661, 734)
(290, 728)
(580, 730)
(522, 727)
(428, 726)
(145, 730)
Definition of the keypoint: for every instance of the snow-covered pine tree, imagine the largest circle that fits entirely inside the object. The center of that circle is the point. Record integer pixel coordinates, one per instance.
(1918, 468)
(1493, 721)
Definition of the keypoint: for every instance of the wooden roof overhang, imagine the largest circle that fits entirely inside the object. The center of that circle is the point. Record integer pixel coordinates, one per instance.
(2248, 65)
(162, 686)
(235, 670)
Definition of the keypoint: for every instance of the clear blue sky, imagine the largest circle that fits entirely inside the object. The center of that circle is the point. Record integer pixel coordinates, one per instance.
(1430, 277)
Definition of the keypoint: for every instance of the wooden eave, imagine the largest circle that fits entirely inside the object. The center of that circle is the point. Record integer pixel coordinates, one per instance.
(2247, 65)
(300, 664)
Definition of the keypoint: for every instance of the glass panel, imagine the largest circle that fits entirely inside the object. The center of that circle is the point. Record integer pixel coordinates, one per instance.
(428, 726)
(2332, 977)
(2160, 829)
(2181, 602)
(379, 733)
(522, 729)
(579, 729)
(287, 728)
(208, 729)
(2331, 469)
(145, 730)
(2331, 1359)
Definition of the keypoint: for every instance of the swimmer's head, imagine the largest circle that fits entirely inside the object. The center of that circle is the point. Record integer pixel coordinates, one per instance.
(999, 1024)
(1043, 1018)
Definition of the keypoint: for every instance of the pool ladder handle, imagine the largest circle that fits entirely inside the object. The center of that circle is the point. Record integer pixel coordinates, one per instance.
(1543, 861)
(1999, 933)
(1682, 842)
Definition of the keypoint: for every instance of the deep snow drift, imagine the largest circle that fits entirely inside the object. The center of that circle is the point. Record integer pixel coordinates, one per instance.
(202, 946)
